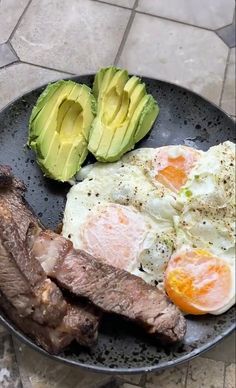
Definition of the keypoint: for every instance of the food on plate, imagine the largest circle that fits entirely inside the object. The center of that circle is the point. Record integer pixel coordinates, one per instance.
(168, 165)
(199, 282)
(120, 217)
(59, 128)
(205, 236)
(125, 114)
(77, 324)
(126, 215)
(66, 121)
(32, 255)
(33, 301)
(111, 289)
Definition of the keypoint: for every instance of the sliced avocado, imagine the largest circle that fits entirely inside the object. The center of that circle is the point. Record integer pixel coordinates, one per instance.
(59, 128)
(125, 114)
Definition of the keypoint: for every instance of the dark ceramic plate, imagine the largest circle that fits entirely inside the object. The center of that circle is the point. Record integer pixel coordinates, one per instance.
(185, 118)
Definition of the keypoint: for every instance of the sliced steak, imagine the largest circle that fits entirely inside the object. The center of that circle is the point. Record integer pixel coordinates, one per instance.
(34, 298)
(111, 289)
(56, 339)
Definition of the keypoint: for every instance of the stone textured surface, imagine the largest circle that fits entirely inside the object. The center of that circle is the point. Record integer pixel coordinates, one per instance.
(26, 77)
(228, 97)
(87, 36)
(10, 12)
(205, 373)
(230, 379)
(228, 34)
(224, 351)
(9, 373)
(204, 13)
(6, 55)
(42, 372)
(122, 3)
(177, 53)
(134, 379)
(171, 378)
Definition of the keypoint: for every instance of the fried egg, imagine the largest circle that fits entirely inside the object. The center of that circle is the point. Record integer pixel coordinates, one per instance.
(200, 277)
(168, 165)
(166, 215)
(119, 216)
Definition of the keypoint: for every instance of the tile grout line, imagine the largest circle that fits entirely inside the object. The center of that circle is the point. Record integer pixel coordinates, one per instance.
(47, 68)
(19, 20)
(13, 50)
(112, 4)
(9, 64)
(224, 78)
(186, 376)
(25, 381)
(126, 33)
(224, 374)
(165, 18)
(174, 21)
(16, 360)
(227, 25)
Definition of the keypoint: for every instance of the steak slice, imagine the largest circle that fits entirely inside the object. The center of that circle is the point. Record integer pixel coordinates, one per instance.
(82, 327)
(111, 289)
(34, 298)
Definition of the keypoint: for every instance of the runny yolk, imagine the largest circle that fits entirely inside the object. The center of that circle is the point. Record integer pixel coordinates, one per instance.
(114, 234)
(172, 172)
(198, 282)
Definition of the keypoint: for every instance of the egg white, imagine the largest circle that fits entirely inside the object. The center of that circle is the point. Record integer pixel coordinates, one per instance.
(201, 215)
(207, 216)
(127, 185)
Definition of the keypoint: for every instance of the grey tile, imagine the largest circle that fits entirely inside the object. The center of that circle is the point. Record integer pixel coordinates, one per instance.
(230, 373)
(204, 373)
(228, 96)
(182, 54)
(122, 3)
(228, 34)
(9, 373)
(10, 12)
(43, 372)
(211, 14)
(132, 379)
(79, 38)
(6, 55)
(26, 77)
(169, 378)
(224, 351)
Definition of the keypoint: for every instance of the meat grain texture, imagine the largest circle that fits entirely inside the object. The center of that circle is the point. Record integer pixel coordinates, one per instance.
(31, 256)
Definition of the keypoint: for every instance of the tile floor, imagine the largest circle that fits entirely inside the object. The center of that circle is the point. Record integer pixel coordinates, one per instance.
(188, 42)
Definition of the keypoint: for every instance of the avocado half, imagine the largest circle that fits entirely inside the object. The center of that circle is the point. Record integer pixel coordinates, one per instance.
(59, 128)
(125, 114)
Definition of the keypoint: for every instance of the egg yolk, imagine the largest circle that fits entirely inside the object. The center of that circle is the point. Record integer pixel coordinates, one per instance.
(197, 282)
(173, 171)
(114, 234)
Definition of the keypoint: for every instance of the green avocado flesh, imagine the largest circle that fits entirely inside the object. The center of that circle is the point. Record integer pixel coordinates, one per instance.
(125, 114)
(59, 128)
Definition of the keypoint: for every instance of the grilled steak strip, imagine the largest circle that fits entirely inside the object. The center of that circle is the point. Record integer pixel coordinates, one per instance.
(28, 296)
(22, 278)
(111, 289)
(82, 327)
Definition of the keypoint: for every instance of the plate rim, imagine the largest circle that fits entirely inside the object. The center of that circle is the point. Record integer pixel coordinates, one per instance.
(103, 369)
(74, 77)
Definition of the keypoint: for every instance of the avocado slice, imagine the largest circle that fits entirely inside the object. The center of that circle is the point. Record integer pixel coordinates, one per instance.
(59, 128)
(125, 114)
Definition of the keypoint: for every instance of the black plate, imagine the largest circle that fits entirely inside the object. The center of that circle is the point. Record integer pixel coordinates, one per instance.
(185, 118)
